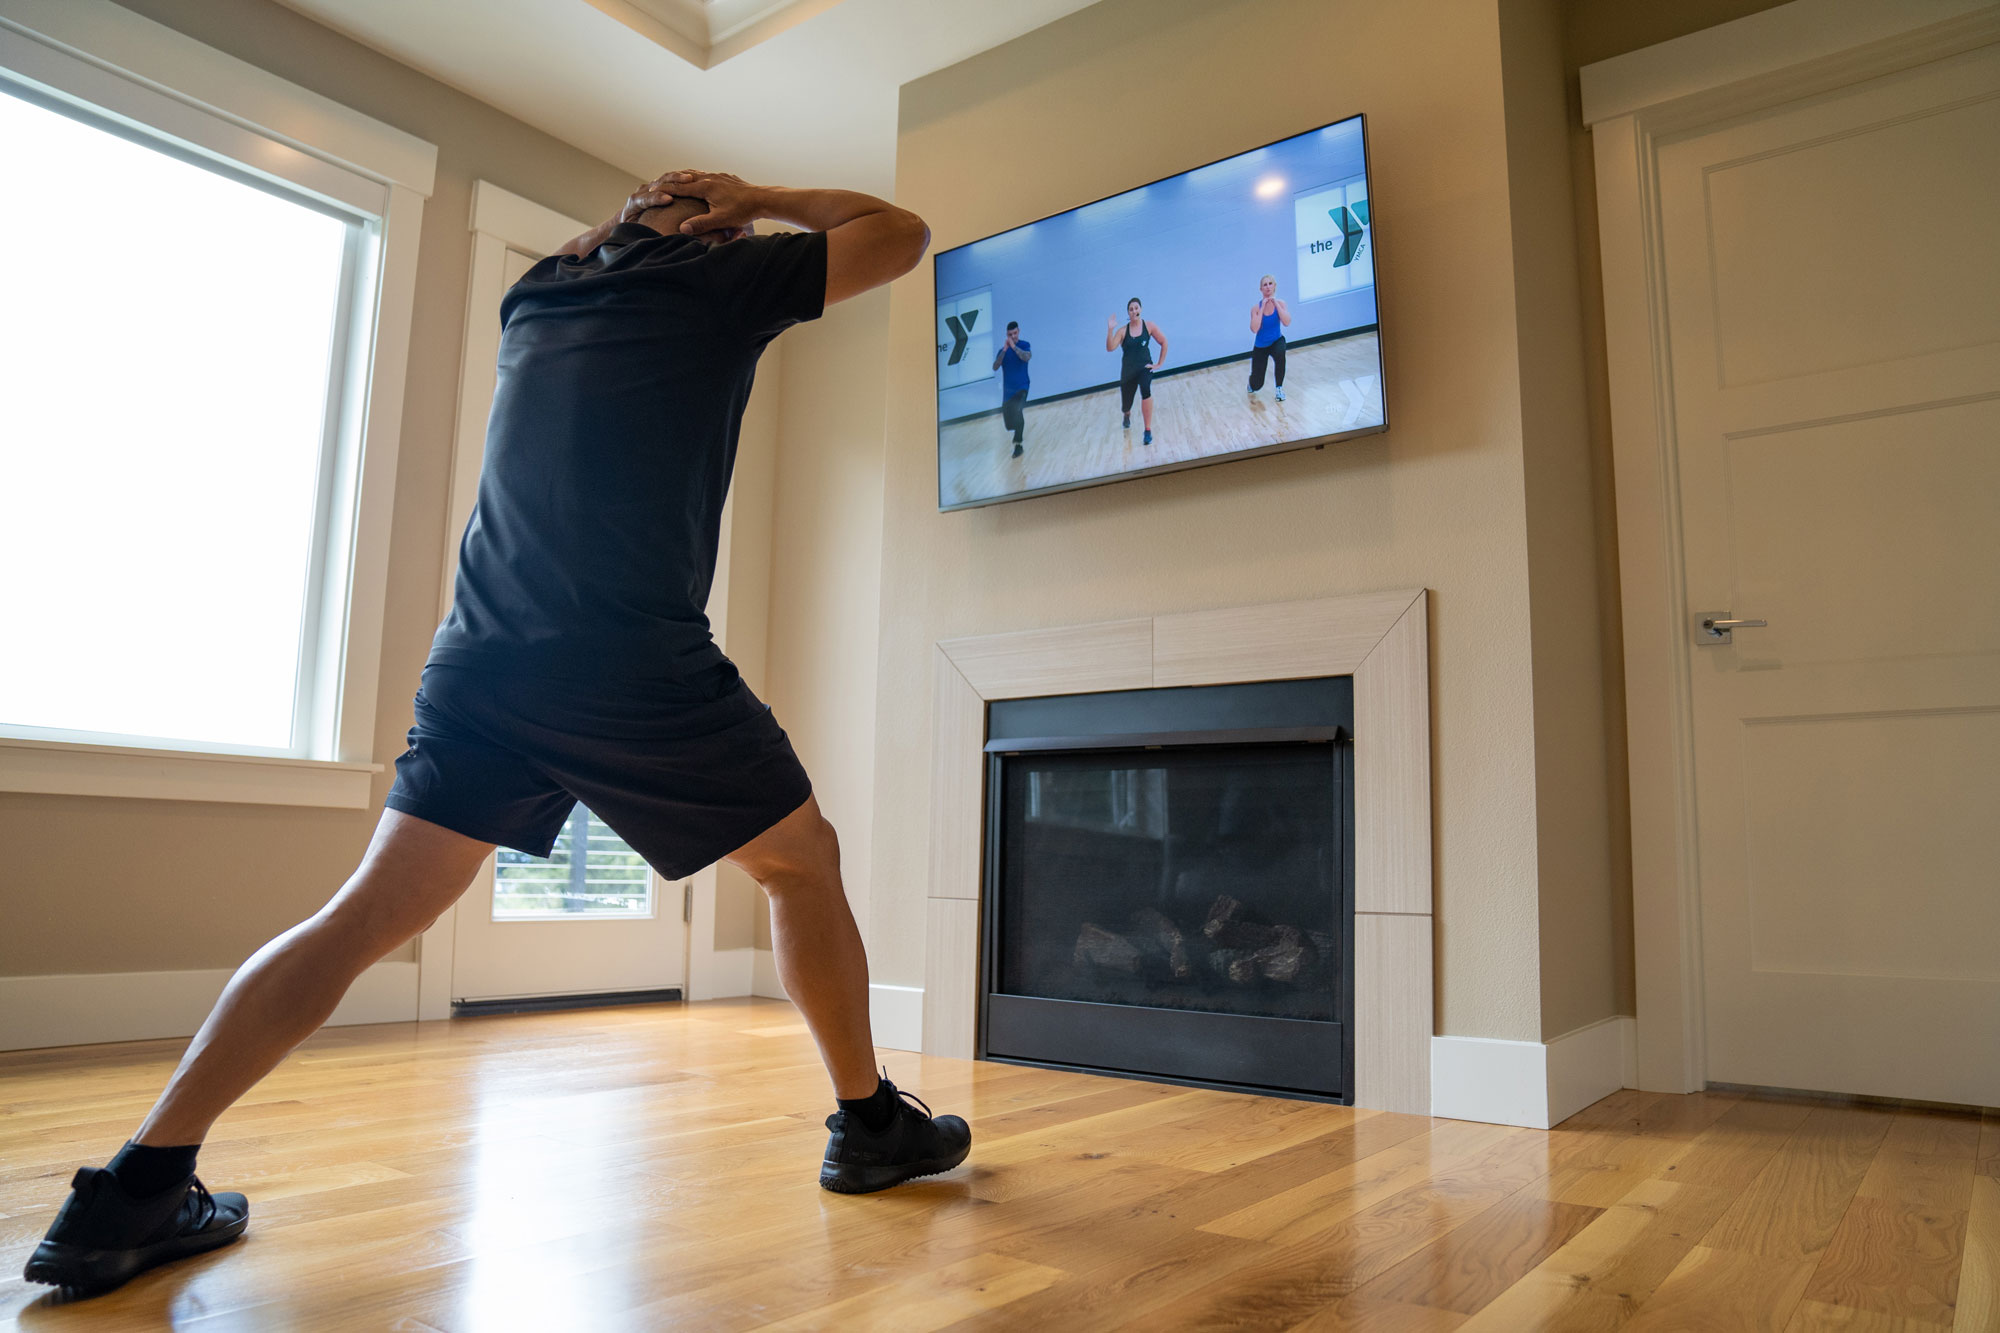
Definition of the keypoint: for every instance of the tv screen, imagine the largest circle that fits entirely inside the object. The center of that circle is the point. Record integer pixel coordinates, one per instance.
(1223, 312)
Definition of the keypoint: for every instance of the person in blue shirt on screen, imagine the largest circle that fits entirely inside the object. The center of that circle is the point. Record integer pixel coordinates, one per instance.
(1012, 363)
(1269, 319)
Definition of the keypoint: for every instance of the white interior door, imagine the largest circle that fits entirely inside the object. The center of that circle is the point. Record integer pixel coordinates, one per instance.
(1833, 303)
(592, 918)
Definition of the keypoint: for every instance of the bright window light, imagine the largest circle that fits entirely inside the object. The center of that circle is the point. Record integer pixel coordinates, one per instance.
(166, 341)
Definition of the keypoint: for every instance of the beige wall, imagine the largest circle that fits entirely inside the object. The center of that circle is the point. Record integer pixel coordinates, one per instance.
(1579, 917)
(1594, 30)
(827, 562)
(1051, 120)
(97, 885)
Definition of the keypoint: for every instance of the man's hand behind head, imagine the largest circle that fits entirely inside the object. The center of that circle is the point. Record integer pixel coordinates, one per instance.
(729, 201)
(868, 240)
(654, 205)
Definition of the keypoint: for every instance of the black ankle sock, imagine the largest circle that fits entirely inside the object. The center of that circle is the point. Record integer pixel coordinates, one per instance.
(875, 1111)
(143, 1171)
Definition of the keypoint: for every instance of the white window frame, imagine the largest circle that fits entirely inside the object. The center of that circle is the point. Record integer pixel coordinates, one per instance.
(205, 103)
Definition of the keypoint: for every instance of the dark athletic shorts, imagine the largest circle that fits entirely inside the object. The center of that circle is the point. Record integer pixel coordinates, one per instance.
(686, 771)
(1134, 381)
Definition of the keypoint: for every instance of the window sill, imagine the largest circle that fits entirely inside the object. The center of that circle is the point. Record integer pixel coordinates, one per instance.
(61, 768)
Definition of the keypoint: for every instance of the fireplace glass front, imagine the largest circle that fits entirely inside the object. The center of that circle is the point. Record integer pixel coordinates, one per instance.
(1175, 903)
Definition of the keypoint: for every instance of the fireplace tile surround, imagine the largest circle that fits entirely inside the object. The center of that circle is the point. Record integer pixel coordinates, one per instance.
(1381, 639)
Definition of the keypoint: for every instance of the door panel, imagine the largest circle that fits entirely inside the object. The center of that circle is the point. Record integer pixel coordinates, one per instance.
(1811, 512)
(1834, 320)
(569, 924)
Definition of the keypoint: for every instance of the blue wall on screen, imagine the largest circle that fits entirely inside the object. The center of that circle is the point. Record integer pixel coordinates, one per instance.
(1191, 247)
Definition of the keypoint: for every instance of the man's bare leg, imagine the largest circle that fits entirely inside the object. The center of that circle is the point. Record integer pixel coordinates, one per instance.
(819, 952)
(412, 872)
(878, 1140)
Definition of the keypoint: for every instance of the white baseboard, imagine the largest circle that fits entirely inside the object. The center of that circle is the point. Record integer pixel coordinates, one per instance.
(764, 976)
(80, 1009)
(1484, 1078)
(1591, 1062)
(896, 1013)
(1531, 1083)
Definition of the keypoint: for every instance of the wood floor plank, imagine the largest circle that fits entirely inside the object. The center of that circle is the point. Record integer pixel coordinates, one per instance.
(1890, 1259)
(1737, 1145)
(927, 1301)
(1725, 1291)
(1818, 1317)
(1791, 1208)
(1465, 1269)
(1978, 1308)
(1660, 1115)
(1607, 1271)
(1899, 1246)
(1144, 1284)
(1327, 1264)
(1935, 1131)
(1259, 1136)
(1315, 1204)
(1598, 1169)
(1355, 1315)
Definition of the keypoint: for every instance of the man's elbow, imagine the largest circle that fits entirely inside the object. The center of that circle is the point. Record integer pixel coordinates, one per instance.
(913, 238)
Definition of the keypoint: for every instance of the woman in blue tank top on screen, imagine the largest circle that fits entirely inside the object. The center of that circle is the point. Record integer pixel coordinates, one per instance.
(1268, 320)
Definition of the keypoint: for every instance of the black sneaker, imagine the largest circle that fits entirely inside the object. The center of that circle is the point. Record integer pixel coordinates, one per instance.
(103, 1237)
(859, 1161)
(1017, 448)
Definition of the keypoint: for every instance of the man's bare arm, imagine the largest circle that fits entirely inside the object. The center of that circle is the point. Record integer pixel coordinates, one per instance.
(869, 241)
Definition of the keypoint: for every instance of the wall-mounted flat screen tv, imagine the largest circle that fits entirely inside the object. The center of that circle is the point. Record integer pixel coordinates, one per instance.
(1220, 313)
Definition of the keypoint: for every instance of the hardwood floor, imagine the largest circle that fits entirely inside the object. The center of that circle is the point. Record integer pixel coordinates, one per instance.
(654, 1168)
(1329, 387)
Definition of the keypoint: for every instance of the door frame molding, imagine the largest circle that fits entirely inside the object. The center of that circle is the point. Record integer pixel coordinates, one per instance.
(1630, 103)
(500, 221)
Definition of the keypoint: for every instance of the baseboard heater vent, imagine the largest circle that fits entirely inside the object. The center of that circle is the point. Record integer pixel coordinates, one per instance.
(537, 1004)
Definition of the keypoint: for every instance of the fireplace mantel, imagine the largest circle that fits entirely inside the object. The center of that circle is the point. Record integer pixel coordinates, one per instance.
(1381, 639)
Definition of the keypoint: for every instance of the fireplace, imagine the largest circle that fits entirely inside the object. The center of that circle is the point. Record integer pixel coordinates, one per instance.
(1169, 885)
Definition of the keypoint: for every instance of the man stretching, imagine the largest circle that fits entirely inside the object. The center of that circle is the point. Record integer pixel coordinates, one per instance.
(577, 664)
(1012, 363)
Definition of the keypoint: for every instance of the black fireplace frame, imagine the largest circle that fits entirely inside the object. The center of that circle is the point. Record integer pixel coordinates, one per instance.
(1099, 1038)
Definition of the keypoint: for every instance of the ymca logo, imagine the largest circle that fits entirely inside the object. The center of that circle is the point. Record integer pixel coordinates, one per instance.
(1352, 220)
(1332, 227)
(965, 325)
(961, 333)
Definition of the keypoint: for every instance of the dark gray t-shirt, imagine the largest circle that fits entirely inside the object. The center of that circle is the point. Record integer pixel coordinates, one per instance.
(622, 382)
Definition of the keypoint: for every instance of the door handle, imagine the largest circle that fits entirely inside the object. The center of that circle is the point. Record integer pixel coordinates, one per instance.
(1713, 627)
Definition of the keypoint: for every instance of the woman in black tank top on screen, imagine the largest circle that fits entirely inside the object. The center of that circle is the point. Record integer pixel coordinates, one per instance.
(1135, 373)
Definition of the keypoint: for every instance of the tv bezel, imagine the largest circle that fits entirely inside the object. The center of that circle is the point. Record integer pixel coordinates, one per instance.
(1234, 455)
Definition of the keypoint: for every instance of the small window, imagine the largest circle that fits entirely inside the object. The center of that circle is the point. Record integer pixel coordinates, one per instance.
(591, 872)
(174, 365)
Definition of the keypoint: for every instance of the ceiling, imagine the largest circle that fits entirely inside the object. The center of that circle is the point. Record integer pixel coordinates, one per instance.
(794, 92)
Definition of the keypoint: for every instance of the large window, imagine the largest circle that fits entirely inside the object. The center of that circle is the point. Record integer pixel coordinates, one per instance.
(172, 353)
